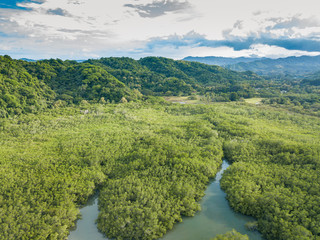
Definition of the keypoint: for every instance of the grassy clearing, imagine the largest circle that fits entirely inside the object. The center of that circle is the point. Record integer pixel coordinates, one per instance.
(185, 99)
(253, 100)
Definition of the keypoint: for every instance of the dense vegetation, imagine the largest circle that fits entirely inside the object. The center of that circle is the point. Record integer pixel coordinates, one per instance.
(20, 91)
(232, 235)
(163, 76)
(152, 163)
(74, 82)
(62, 138)
(302, 103)
(275, 174)
(33, 86)
(292, 82)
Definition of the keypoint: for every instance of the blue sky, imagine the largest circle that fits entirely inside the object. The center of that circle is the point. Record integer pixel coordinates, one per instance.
(82, 29)
(9, 4)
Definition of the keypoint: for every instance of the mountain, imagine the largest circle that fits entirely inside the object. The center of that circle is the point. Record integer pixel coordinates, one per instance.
(280, 68)
(164, 76)
(27, 86)
(294, 66)
(27, 59)
(220, 61)
(32, 86)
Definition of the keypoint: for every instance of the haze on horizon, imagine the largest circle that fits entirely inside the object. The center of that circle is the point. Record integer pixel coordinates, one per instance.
(82, 29)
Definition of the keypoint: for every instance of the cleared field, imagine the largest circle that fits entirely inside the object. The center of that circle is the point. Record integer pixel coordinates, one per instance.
(184, 99)
(253, 100)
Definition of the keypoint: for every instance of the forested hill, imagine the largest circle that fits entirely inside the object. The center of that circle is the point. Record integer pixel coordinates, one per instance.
(163, 76)
(31, 86)
(21, 91)
(312, 79)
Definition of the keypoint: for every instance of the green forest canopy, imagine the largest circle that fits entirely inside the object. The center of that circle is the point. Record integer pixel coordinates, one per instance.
(30, 87)
(152, 163)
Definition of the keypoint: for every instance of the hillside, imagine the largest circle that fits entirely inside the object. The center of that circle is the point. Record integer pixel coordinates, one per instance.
(20, 91)
(74, 81)
(312, 79)
(32, 86)
(164, 76)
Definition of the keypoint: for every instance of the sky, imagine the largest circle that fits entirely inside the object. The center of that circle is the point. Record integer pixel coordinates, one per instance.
(82, 29)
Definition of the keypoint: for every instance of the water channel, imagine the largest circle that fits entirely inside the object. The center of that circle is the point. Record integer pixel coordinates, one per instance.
(216, 217)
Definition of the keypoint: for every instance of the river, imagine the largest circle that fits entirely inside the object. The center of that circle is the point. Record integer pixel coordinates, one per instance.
(215, 217)
(86, 227)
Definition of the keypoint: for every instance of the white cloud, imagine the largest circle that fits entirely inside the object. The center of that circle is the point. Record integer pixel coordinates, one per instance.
(4, 47)
(263, 50)
(274, 26)
(66, 27)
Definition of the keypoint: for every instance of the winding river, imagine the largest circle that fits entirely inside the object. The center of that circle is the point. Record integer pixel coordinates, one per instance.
(216, 217)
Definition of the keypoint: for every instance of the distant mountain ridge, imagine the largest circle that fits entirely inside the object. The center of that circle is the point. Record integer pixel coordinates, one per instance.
(290, 66)
(33, 60)
(27, 59)
(220, 61)
(296, 66)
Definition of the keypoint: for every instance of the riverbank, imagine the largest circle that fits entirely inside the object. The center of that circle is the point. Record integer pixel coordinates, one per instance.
(216, 217)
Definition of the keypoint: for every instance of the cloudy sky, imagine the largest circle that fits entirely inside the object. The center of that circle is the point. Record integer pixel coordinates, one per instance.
(82, 29)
